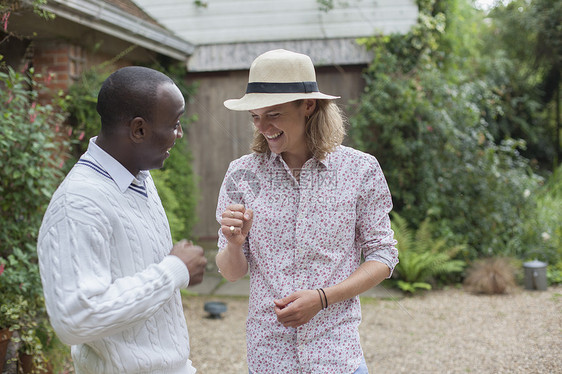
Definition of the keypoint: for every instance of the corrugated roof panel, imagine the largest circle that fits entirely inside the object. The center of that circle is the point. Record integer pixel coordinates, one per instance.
(228, 21)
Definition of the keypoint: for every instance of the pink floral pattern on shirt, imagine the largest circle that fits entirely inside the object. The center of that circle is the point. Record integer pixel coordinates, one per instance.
(306, 235)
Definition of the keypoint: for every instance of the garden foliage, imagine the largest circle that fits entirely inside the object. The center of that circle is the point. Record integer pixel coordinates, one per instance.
(176, 181)
(527, 38)
(33, 148)
(177, 187)
(83, 116)
(428, 113)
(541, 230)
(422, 257)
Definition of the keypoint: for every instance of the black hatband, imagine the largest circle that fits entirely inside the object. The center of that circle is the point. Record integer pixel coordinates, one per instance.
(289, 87)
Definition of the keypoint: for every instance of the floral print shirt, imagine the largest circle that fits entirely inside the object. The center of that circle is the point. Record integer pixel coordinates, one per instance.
(308, 234)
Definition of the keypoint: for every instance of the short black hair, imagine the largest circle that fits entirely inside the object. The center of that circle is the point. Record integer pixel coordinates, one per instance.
(128, 93)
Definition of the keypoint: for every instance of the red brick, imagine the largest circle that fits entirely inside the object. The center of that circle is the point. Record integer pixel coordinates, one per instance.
(54, 52)
(61, 59)
(54, 87)
(44, 60)
(58, 68)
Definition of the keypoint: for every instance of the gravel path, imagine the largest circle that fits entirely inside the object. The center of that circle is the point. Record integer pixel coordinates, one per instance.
(448, 331)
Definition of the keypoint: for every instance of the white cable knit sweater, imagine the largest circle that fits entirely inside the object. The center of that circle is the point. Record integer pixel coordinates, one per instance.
(111, 289)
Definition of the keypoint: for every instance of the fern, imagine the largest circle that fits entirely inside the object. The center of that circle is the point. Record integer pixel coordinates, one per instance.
(422, 257)
(413, 287)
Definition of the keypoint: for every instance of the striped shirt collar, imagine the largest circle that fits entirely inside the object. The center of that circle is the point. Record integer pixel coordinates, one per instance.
(116, 171)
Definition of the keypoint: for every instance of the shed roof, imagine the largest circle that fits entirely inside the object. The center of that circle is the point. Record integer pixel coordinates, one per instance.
(228, 34)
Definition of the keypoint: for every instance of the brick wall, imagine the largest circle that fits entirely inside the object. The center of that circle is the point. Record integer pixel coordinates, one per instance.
(59, 64)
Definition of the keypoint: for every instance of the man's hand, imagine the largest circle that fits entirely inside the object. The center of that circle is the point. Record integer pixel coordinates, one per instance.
(298, 308)
(193, 257)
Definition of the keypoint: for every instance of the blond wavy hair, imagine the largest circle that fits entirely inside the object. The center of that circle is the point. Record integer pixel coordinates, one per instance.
(325, 130)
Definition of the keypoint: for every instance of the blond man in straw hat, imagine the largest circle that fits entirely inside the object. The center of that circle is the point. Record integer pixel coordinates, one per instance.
(298, 213)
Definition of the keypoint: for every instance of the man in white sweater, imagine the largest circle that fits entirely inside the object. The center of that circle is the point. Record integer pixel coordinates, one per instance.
(111, 274)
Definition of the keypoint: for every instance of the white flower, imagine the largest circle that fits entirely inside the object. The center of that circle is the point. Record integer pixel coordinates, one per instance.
(545, 236)
(526, 193)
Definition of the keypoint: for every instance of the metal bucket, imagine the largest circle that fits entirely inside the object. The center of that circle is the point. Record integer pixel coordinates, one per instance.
(535, 275)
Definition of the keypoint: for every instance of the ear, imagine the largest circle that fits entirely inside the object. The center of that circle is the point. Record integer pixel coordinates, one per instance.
(309, 106)
(138, 129)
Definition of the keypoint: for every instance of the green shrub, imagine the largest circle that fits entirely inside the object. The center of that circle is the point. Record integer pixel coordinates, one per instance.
(554, 273)
(32, 153)
(438, 156)
(176, 181)
(541, 227)
(525, 38)
(177, 187)
(422, 257)
(427, 126)
(83, 116)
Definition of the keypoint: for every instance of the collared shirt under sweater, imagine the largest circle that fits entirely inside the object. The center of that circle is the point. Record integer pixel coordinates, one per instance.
(111, 288)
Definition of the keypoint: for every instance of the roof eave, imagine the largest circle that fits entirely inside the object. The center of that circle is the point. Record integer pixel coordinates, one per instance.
(113, 21)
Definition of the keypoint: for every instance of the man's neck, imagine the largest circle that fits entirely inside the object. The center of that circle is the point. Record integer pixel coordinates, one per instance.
(116, 149)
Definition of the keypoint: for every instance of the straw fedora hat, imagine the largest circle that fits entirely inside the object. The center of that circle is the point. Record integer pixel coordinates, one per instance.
(278, 77)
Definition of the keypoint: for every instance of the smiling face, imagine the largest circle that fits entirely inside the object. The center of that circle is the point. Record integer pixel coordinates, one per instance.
(164, 128)
(283, 126)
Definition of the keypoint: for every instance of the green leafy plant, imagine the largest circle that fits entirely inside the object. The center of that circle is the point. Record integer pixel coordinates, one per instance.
(176, 181)
(32, 151)
(540, 231)
(554, 273)
(177, 188)
(19, 280)
(31, 331)
(33, 147)
(528, 34)
(83, 97)
(8, 6)
(22, 310)
(427, 113)
(421, 256)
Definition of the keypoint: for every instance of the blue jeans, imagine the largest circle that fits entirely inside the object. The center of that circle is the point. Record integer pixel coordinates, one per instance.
(362, 369)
